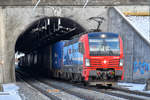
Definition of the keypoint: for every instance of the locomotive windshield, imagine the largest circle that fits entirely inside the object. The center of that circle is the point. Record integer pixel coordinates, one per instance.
(104, 46)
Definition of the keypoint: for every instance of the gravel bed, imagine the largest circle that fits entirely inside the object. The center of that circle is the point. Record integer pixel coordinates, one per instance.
(28, 93)
(85, 92)
(56, 92)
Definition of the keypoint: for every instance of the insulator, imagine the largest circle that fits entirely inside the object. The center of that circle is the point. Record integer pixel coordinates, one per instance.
(48, 21)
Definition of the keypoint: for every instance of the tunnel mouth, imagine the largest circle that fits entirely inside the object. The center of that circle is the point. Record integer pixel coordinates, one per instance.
(37, 38)
(46, 31)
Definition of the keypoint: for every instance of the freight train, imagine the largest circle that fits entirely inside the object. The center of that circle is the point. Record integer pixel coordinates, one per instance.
(93, 57)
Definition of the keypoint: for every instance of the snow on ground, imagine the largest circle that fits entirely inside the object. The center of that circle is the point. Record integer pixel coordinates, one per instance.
(133, 86)
(142, 23)
(10, 92)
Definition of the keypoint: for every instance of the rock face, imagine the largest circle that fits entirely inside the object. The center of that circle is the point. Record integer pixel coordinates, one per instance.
(73, 2)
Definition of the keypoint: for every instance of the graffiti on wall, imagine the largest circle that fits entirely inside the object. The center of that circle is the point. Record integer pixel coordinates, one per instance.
(142, 67)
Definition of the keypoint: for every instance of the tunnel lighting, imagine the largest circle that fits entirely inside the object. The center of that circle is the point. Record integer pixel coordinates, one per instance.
(43, 27)
(48, 21)
(59, 21)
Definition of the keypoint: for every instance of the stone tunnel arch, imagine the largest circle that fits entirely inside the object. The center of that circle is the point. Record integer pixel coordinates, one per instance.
(61, 28)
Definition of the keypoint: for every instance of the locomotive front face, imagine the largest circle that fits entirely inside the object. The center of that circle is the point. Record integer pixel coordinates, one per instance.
(105, 57)
(104, 50)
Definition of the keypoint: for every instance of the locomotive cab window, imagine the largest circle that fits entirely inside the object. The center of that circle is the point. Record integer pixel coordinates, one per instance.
(104, 46)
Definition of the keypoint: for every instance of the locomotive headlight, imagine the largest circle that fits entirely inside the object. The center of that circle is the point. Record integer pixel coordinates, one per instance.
(121, 62)
(103, 36)
(87, 62)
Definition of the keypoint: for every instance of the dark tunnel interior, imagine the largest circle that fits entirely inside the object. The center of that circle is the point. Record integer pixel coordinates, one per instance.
(46, 31)
(35, 41)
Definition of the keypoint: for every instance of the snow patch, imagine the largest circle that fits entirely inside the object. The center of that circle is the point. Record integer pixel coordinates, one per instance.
(142, 23)
(10, 92)
(133, 86)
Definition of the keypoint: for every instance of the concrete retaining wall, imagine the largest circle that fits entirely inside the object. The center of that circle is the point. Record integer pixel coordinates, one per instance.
(1, 44)
(136, 47)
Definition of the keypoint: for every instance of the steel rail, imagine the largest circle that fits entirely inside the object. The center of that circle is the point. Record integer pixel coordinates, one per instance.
(42, 91)
(75, 93)
(104, 89)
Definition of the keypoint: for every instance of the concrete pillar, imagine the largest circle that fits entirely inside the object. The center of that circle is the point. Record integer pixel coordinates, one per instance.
(6, 72)
(1, 46)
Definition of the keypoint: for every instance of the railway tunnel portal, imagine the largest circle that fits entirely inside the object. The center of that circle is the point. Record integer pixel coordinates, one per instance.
(35, 42)
(26, 31)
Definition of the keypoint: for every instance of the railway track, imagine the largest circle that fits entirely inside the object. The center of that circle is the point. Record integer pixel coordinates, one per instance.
(113, 91)
(119, 92)
(92, 91)
(42, 91)
(45, 89)
(81, 93)
(123, 93)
